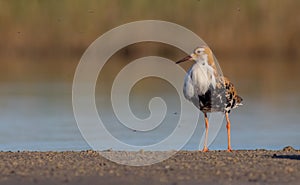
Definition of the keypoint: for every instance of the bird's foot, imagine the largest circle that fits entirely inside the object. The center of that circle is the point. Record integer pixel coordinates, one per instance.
(229, 150)
(205, 149)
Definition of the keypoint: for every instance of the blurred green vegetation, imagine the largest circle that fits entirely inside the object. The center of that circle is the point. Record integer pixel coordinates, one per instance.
(256, 41)
(231, 27)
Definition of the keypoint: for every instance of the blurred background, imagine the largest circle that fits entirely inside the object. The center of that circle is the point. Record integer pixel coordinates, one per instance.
(257, 44)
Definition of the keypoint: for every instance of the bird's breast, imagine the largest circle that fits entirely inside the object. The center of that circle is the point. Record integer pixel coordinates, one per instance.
(201, 78)
(197, 82)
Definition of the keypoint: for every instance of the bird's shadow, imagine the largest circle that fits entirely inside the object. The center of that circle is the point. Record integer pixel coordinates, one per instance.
(293, 157)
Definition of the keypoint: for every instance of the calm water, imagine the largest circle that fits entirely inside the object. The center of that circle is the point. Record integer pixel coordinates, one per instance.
(39, 116)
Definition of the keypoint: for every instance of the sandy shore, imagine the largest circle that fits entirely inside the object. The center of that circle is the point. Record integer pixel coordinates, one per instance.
(186, 167)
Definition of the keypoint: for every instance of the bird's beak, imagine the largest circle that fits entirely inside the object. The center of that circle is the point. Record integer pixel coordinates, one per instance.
(185, 59)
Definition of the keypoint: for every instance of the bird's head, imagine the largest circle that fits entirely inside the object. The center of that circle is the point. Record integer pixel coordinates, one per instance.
(201, 54)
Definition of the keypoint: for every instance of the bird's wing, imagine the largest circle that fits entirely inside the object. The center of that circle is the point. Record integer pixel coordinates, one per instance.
(232, 97)
(221, 98)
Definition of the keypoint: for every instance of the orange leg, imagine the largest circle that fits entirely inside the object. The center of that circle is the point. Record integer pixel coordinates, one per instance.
(205, 149)
(228, 132)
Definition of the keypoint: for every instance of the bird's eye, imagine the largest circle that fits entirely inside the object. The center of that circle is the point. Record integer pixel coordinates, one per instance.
(198, 51)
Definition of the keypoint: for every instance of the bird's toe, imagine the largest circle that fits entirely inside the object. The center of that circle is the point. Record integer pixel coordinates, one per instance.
(229, 150)
(205, 149)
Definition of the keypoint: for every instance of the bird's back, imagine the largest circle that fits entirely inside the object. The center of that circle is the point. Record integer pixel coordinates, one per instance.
(222, 98)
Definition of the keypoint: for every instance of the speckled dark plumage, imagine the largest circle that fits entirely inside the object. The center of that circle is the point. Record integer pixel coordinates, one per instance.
(222, 98)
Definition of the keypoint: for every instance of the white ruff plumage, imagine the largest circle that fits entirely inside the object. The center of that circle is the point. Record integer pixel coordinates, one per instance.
(197, 81)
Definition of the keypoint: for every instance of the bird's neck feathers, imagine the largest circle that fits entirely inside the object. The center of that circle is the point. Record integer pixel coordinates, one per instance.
(210, 60)
(207, 61)
(203, 74)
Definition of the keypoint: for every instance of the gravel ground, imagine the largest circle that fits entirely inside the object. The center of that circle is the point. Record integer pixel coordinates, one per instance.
(185, 167)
